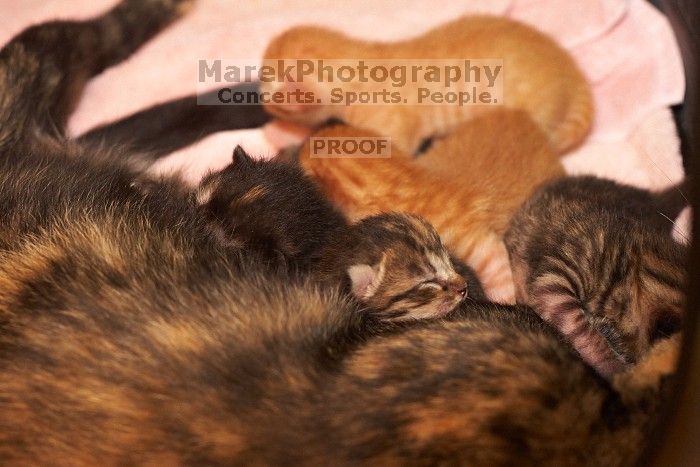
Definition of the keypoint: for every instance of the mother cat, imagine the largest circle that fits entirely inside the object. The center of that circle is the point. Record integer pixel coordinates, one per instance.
(130, 334)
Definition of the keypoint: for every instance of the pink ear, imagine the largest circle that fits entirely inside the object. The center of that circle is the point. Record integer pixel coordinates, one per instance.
(362, 276)
(364, 279)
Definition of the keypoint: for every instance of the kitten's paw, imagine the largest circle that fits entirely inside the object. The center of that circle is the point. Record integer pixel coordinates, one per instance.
(557, 306)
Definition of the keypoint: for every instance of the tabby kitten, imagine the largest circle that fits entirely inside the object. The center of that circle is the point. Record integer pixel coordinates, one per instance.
(597, 260)
(129, 334)
(539, 78)
(396, 265)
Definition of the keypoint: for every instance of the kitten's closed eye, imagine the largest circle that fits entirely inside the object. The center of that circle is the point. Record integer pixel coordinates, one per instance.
(458, 285)
(432, 283)
(614, 288)
(399, 252)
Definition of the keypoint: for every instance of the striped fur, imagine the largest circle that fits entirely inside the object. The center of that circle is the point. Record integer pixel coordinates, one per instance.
(597, 260)
(130, 333)
(410, 272)
(40, 93)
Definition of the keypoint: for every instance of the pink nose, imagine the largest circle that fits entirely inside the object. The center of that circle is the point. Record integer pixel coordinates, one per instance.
(458, 286)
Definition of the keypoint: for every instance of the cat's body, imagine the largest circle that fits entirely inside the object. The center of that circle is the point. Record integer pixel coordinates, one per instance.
(161, 129)
(259, 378)
(588, 252)
(539, 78)
(39, 94)
(131, 333)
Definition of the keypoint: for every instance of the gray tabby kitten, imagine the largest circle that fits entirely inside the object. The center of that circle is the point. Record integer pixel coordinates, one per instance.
(597, 260)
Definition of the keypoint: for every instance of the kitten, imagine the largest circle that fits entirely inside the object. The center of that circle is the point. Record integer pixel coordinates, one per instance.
(131, 335)
(539, 78)
(588, 252)
(469, 209)
(295, 223)
(396, 265)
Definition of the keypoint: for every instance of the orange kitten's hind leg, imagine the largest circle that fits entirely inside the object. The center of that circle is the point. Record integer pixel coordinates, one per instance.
(487, 255)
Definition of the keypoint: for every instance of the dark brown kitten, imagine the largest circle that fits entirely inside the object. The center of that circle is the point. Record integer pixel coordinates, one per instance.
(395, 264)
(596, 259)
(271, 207)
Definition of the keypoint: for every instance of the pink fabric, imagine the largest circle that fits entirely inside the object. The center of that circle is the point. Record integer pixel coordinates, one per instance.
(625, 47)
(572, 22)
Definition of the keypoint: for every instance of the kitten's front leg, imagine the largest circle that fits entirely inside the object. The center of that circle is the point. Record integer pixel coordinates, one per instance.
(558, 305)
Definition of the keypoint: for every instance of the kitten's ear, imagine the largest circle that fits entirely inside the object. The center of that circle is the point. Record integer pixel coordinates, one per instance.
(365, 279)
(241, 158)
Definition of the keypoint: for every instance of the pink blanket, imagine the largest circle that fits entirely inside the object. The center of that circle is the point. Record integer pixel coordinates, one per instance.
(626, 48)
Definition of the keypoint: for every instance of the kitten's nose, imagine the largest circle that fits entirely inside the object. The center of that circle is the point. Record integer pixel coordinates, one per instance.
(459, 287)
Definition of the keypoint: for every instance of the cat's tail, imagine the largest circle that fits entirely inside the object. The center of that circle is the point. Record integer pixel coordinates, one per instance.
(578, 119)
(44, 69)
(164, 128)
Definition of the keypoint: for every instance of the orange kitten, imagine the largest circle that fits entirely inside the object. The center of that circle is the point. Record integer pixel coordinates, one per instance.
(467, 185)
(538, 77)
(502, 154)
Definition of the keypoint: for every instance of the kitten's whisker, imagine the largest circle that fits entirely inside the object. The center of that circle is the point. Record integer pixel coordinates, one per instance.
(667, 177)
(684, 196)
(675, 228)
